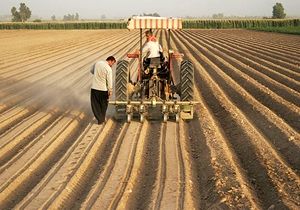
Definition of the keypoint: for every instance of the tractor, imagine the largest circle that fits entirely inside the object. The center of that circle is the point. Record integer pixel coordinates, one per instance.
(154, 94)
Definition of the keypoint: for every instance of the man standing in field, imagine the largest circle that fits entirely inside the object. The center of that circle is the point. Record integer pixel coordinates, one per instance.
(101, 88)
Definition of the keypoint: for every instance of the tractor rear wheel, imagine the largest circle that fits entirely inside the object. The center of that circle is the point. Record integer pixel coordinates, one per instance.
(121, 80)
(186, 81)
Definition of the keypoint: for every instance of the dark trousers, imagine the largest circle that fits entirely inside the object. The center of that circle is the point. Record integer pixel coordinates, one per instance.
(99, 102)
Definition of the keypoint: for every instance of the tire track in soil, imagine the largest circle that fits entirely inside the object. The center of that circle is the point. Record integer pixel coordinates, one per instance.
(172, 194)
(257, 162)
(142, 189)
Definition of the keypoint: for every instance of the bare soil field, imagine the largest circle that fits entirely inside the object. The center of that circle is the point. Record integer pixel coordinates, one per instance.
(241, 150)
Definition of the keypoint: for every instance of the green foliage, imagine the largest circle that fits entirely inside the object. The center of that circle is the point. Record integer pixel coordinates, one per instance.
(278, 11)
(64, 25)
(22, 15)
(251, 23)
(286, 30)
(151, 14)
(218, 16)
(187, 24)
(37, 20)
(72, 17)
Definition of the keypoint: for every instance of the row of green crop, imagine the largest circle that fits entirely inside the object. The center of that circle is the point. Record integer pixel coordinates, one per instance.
(64, 25)
(255, 23)
(285, 30)
(187, 24)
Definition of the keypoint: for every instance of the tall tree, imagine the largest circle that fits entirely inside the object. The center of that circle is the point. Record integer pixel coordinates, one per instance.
(22, 15)
(278, 11)
(15, 15)
(77, 16)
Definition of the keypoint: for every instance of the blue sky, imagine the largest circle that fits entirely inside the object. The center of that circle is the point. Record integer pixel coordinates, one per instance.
(176, 8)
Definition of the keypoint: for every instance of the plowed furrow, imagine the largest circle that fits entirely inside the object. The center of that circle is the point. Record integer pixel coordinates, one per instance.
(54, 68)
(254, 69)
(14, 189)
(24, 155)
(109, 194)
(251, 59)
(172, 192)
(27, 92)
(42, 53)
(35, 145)
(216, 178)
(284, 109)
(16, 114)
(75, 190)
(59, 175)
(44, 47)
(239, 152)
(141, 185)
(20, 127)
(62, 62)
(255, 49)
(262, 39)
(260, 160)
(13, 116)
(61, 58)
(23, 135)
(281, 134)
(34, 90)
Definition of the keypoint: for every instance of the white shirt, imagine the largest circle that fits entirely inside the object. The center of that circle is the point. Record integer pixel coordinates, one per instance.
(102, 79)
(153, 48)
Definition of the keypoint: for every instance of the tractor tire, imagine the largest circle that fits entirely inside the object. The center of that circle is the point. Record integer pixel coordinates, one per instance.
(186, 81)
(122, 71)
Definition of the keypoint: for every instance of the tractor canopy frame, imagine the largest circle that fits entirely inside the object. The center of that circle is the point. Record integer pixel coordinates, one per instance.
(149, 22)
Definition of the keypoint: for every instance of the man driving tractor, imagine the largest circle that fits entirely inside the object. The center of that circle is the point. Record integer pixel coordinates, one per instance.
(152, 49)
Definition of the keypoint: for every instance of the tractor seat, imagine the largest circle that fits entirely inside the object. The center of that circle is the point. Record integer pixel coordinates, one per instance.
(155, 62)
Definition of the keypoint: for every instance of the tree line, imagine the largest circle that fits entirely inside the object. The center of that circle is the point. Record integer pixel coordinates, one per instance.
(24, 13)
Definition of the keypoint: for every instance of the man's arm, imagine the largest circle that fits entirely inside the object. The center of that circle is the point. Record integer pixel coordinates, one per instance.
(92, 70)
(160, 48)
(146, 48)
(109, 81)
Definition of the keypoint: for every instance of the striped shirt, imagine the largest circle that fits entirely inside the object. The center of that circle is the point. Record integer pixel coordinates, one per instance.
(102, 79)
